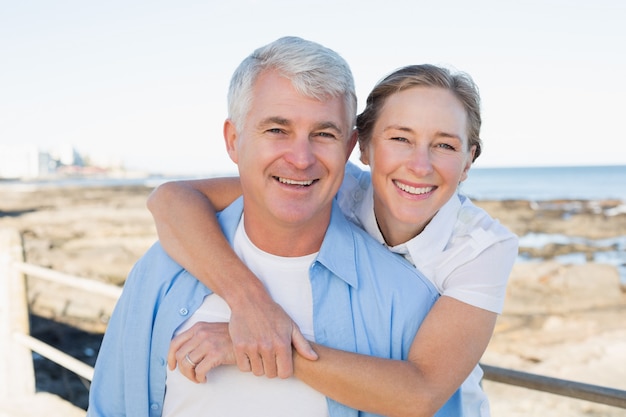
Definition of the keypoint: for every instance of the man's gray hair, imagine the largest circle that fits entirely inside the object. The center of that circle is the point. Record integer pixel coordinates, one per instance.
(314, 70)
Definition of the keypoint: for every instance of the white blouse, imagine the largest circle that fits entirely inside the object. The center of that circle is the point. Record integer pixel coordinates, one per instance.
(463, 251)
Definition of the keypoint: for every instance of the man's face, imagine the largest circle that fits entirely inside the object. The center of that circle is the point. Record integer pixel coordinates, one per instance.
(291, 155)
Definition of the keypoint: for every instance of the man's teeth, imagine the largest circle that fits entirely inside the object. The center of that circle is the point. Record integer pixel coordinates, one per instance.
(294, 182)
(413, 190)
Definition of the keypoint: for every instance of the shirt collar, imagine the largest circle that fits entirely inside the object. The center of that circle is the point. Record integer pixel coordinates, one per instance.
(229, 219)
(437, 232)
(434, 237)
(337, 253)
(367, 217)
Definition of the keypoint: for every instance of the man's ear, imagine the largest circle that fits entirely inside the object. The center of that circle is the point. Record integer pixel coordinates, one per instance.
(351, 143)
(230, 138)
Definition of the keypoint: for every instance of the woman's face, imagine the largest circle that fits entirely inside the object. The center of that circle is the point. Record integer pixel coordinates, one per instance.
(418, 155)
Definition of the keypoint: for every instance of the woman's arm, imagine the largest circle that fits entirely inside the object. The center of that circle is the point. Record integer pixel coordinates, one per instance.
(447, 347)
(262, 333)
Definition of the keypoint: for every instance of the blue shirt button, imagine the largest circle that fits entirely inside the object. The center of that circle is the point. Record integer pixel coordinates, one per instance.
(183, 311)
(154, 406)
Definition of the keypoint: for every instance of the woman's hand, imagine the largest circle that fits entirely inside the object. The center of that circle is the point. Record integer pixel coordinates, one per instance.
(263, 336)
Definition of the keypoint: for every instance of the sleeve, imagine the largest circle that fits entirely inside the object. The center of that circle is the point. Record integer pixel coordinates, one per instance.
(352, 190)
(118, 360)
(482, 281)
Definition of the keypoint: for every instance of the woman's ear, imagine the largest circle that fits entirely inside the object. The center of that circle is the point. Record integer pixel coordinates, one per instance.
(365, 156)
(468, 163)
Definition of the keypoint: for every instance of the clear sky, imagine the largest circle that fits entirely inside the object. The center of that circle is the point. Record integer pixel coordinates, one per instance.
(147, 80)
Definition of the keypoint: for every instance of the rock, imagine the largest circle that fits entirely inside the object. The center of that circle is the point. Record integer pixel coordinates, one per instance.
(560, 320)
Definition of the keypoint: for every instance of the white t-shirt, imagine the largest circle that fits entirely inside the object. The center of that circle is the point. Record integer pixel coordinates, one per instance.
(463, 251)
(230, 392)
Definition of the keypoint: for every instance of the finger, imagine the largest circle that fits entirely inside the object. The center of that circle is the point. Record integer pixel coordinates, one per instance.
(256, 364)
(302, 345)
(189, 361)
(187, 366)
(204, 367)
(243, 363)
(215, 358)
(270, 367)
(175, 345)
(201, 371)
(284, 362)
(268, 354)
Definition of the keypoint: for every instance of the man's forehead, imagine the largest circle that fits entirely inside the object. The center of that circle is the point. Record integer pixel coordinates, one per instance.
(274, 96)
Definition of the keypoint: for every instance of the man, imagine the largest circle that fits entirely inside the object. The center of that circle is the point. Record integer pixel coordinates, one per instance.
(290, 131)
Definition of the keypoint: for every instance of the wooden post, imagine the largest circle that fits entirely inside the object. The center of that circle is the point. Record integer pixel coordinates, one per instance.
(17, 374)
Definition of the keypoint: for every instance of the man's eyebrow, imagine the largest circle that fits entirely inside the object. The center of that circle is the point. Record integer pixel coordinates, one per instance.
(286, 122)
(329, 125)
(274, 120)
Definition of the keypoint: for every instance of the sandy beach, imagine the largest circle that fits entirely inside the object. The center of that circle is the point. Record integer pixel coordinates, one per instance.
(564, 321)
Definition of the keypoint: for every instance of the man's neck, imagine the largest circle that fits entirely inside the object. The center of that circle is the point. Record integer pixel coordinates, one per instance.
(285, 239)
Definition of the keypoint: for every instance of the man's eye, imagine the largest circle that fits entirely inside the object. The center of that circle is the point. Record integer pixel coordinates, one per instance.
(274, 130)
(327, 135)
(399, 139)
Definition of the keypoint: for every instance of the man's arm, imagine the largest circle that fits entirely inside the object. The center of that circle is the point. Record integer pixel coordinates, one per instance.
(261, 331)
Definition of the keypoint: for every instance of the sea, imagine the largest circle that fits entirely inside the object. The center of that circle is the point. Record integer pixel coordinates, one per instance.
(520, 183)
(547, 183)
(537, 184)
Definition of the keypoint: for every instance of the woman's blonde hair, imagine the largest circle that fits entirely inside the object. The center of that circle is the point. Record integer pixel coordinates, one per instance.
(459, 83)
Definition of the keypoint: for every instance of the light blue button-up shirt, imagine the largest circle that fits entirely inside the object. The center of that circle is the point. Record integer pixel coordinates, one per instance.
(365, 300)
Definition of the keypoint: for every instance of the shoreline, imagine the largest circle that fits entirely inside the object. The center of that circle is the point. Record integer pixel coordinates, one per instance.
(560, 320)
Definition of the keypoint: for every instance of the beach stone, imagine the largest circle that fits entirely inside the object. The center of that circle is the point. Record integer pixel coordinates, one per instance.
(561, 320)
(550, 287)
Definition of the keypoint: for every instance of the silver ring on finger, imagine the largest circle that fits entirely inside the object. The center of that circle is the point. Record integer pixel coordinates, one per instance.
(188, 359)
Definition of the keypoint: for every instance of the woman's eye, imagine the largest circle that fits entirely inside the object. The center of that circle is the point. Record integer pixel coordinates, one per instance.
(446, 146)
(399, 139)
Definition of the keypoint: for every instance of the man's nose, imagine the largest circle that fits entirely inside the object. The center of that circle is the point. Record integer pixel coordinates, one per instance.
(300, 153)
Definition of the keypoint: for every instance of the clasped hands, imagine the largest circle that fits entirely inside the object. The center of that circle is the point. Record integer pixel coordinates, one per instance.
(258, 343)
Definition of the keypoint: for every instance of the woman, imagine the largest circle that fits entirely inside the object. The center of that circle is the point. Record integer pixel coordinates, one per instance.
(419, 133)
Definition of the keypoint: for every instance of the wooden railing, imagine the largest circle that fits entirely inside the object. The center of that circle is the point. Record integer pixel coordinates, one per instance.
(17, 374)
(16, 364)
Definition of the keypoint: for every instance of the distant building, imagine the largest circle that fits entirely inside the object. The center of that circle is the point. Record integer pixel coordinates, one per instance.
(66, 155)
(25, 161)
(30, 161)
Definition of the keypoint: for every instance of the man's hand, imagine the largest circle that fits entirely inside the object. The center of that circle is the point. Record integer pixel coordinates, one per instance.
(257, 343)
(262, 339)
(199, 349)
